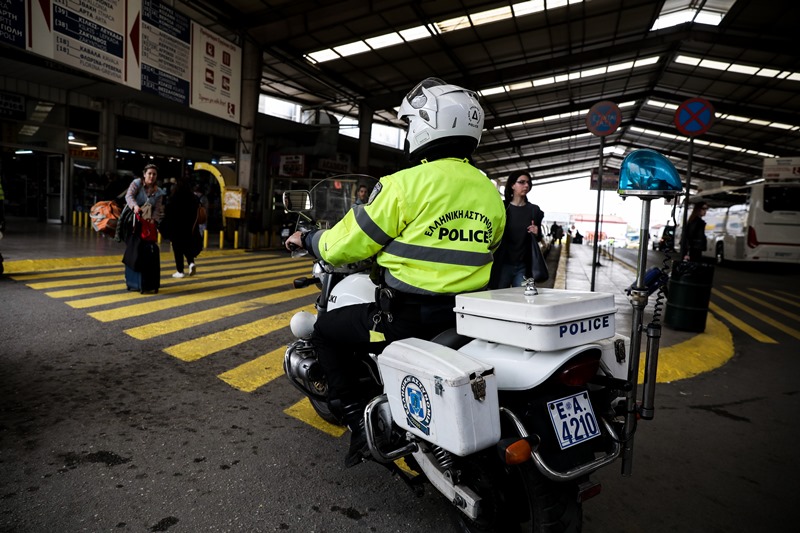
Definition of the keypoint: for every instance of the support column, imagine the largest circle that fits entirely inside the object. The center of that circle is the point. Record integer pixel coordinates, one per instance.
(365, 134)
(251, 85)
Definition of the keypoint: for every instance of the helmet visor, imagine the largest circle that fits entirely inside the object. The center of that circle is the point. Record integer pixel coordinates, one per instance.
(416, 98)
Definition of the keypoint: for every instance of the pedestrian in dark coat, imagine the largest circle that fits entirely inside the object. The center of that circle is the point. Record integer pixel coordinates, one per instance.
(181, 228)
(693, 238)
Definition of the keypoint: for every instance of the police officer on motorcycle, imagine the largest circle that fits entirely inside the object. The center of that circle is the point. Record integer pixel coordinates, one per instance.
(432, 229)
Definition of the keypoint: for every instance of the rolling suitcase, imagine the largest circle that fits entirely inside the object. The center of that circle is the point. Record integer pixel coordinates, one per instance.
(147, 276)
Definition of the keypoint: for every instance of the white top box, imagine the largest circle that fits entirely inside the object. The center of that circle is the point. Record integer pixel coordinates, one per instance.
(552, 320)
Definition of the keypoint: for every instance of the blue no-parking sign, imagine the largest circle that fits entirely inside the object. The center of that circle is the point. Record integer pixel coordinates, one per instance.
(694, 117)
(603, 118)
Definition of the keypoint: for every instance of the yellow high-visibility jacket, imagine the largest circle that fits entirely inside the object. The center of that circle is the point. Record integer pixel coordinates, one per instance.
(432, 227)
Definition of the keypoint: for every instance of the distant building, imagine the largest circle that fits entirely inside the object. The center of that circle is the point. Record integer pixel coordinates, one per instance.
(610, 226)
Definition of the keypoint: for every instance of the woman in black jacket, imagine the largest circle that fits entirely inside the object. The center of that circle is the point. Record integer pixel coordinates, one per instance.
(181, 228)
(512, 261)
(693, 240)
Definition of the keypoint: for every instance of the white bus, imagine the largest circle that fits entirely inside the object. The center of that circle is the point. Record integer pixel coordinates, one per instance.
(759, 222)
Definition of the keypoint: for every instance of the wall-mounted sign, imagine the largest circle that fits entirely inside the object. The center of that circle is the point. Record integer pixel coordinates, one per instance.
(144, 44)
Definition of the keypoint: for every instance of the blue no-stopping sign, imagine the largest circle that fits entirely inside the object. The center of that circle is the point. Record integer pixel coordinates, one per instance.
(694, 117)
(603, 118)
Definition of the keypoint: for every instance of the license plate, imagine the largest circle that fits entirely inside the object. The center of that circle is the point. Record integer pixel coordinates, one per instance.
(573, 419)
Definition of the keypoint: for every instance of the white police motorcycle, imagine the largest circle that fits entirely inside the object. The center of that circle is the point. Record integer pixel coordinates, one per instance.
(509, 415)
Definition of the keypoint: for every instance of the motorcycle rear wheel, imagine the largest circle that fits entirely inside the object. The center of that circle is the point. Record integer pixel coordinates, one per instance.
(518, 499)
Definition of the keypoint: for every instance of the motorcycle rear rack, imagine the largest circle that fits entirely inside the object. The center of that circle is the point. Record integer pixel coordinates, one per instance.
(573, 473)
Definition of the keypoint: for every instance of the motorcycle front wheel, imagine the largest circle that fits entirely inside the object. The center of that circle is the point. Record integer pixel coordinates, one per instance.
(518, 499)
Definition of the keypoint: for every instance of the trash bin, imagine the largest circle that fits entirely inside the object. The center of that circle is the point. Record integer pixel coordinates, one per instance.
(688, 294)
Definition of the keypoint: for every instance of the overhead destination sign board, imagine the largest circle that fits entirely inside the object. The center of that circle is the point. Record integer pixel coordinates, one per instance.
(166, 52)
(144, 44)
(781, 168)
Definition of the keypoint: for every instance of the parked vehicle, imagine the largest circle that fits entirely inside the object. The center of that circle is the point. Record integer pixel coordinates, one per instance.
(758, 222)
(508, 416)
(666, 241)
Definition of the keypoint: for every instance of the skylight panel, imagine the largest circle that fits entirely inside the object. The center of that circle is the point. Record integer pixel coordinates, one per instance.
(352, 48)
(716, 65)
(322, 55)
(627, 65)
(457, 23)
(711, 16)
(743, 69)
(421, 32)
(527, 8)
(768, 72)
(382, 41)
(686, 60)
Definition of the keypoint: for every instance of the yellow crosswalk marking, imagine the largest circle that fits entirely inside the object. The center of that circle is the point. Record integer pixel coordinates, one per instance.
(198, 348)
(253, 374)
(794, 302)
(761, 316)
(303, 411)
(764, 303)
(747, 328)
(55, 267)
(241, 286)
(173, 285)
(163, 327)
(114, 274)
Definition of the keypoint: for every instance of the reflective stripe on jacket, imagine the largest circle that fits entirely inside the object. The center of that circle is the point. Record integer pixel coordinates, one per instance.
(433, 228)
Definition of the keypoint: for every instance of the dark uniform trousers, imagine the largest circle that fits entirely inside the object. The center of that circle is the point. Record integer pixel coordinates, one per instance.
(342, 336)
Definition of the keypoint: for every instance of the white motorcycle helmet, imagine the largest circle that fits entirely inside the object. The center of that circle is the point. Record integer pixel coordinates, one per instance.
(443, 119)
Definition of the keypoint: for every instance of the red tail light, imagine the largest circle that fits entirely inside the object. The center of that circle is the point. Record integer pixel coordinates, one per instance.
(579, 371)
(752, 239)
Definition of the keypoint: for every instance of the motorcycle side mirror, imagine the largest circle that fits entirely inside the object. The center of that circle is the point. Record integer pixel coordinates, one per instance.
(297, 201)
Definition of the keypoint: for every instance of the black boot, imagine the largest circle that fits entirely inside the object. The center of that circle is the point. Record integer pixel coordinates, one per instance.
(359, 449)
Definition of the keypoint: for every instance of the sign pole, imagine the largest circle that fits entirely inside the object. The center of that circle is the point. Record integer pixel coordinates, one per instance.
(688, 183)
(603, 119)
(596, 249)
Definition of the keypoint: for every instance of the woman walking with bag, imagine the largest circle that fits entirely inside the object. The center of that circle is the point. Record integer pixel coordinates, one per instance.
(181, 228)
(513, 261)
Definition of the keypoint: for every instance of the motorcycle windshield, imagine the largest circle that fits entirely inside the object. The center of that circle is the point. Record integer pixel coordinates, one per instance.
(333, 197)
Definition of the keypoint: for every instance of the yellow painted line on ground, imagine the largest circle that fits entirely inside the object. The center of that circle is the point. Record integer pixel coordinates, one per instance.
(173, 286)
(702, 353)
(763, 303)
(761, 316)
(241, 286)
(746, 328)
(253, 374)
(794, 302)
(163, 327)
(304, 412)
(206, 268)
(198, 348)
(40, 265)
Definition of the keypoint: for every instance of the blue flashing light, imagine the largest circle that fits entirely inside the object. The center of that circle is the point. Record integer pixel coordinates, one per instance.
(647, 173)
